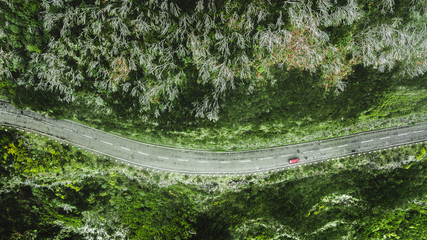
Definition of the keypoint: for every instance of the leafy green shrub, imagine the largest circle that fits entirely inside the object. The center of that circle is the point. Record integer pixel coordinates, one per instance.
(421, 153)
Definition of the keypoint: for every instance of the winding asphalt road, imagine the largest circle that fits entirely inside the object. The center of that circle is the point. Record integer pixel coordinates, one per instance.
(154, 157)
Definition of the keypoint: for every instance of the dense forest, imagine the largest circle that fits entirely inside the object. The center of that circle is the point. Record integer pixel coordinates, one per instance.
(185, 60)
(219, 75)
(50, 190)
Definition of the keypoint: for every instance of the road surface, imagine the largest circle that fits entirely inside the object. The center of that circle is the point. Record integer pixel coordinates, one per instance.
(162, 158)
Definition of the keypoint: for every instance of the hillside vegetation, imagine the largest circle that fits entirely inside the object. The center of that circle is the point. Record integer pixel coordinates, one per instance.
(218, 75)
(54, 191)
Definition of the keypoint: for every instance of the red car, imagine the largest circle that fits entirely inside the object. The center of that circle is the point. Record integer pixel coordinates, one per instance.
(294, 160)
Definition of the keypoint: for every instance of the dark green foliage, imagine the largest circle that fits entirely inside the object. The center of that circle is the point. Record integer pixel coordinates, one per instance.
(164, 68)
(292, 100)
(303, 206)
(156, 213)
(410, 223)
(52, 191)
(221, 75)
(22, 25)
(172, 61)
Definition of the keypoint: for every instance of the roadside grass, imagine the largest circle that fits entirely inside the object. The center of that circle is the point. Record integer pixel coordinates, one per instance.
(2, 97)
(361, 192)
(346, 198)
(402, 157)
(287, 108)
(371, 188)
(290, 114)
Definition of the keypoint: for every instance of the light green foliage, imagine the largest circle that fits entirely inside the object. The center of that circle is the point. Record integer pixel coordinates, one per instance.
(155, 213)
(356, 198)
(421, 153)
(283, 113)
(221, 75)
(156, 59)
(378, 195)
(407, 223)
(17, 159)
(33, 48)
(52, 191)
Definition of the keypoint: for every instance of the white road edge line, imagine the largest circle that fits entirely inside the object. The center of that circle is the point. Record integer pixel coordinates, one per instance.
(384, 138)
(26, 117)
(343, 145)
(163, 157)
(203, 161)
(324, 149)
(49, 124)
(125, 148)
(245, 161)
(367, 141)
(182, 160)
(402, 134)
(146, 154)
(225, 161)
(267, 158)
(239, 161)
(106, 142)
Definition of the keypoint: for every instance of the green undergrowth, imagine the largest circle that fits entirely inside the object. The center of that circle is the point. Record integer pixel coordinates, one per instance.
(285, 113)
(223, 75)
(50, 190)
(2, 97)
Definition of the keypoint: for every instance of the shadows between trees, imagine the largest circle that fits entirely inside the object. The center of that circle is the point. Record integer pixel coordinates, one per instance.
(378, 192)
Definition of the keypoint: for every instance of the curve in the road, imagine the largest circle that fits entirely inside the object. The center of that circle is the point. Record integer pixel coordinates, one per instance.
(190, 161)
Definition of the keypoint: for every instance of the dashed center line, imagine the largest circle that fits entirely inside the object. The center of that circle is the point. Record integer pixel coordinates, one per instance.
(205, 161)
(49, 124)
(245, 161)
(418, 131)
(106, 142)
